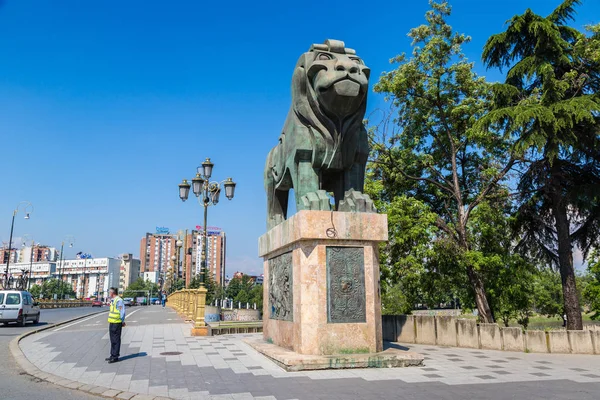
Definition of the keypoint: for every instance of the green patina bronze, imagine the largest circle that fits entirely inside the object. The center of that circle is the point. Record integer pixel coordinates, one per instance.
(323, 147)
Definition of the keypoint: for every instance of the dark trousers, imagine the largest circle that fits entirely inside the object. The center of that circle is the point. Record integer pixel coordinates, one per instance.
(114, 331)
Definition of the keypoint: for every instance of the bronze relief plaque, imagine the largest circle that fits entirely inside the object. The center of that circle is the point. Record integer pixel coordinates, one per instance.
(346, 301)
(281, 297)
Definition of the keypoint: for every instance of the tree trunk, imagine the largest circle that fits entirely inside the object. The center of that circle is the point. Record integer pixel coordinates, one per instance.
(481, 300)
(565, 263)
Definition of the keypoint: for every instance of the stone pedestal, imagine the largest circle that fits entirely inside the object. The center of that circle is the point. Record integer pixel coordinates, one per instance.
(321, 283)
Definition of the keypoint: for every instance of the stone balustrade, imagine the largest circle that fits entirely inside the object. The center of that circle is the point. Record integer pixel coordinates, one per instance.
(461, 332)
(190, 304)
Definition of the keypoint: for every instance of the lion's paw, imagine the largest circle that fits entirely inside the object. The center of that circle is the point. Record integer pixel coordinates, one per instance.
(356, 202)
(316, 201)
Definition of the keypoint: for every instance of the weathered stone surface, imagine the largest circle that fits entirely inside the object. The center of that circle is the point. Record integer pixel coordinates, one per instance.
(445, 331)
(356, 202)
(558, 342)
(489, 337)
(292, 361)
(281, 300)
(536, 342)
(345, 284)
(425, 329)
(323, 146)
(512, 339)
(467, 334)
(309, 331)
(581, 342)
(315, 225)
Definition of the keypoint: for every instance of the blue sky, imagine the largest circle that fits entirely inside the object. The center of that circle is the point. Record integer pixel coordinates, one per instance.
(105, 106)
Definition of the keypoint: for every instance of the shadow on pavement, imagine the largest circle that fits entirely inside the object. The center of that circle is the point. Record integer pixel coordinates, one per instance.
(390, 345)
(129, 356)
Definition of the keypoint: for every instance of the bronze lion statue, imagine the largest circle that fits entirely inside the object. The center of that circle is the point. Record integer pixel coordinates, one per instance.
(323, 146)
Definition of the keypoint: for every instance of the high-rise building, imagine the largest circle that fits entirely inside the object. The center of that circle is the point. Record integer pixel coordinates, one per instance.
(215, 260)
(37, 253)
(90, 276)
(156, 250)
(5, 255)
(130, 271)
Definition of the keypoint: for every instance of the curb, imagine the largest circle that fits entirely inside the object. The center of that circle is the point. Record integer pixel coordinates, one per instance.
(34, 371)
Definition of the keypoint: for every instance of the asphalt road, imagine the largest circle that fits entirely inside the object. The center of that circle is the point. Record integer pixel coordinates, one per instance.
(16, 385)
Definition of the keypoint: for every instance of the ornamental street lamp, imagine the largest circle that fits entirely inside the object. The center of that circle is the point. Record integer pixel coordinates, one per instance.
(22, 206)
(207, 193)
(70, 239)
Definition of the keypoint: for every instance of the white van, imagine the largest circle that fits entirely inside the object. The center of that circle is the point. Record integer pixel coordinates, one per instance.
(18, 306)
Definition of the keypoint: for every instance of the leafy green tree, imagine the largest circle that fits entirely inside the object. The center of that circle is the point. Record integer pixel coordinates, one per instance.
(177, 285)
(35, 291)
(256, 296)
(592, 291)
(242, 296)
(213, 289)
(139, 289)
(429, 148)
(549, 105)
(548, 296)
(52, 287)
(237, 284)
(394, 301)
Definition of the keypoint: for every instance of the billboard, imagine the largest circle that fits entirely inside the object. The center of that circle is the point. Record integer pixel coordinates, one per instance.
(161, 230)
(212, 230)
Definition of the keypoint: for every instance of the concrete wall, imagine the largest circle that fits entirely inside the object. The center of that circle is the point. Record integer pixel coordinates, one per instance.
(467, 333)
(512, 339)
(212, 314)
(489, 337)
(580, 342)
(406, 330)
(536, 342)
(446, 331)
(450, 331)
(398, 328)
(425, 329)
(241, 315)
(558, 342)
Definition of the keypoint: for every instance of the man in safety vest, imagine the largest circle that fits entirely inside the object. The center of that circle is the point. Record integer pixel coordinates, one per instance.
(116, 321)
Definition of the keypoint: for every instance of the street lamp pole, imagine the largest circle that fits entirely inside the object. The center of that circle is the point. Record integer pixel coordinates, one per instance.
(12, 227)
(71, 240)
(210, 191)
(30, 258)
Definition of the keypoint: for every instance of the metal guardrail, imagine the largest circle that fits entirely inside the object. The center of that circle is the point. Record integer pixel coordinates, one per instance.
(63, 303)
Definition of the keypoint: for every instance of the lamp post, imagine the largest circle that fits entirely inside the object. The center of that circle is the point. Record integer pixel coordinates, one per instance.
(210, 191)
(70, 239)
(26, 205)
(27, 237)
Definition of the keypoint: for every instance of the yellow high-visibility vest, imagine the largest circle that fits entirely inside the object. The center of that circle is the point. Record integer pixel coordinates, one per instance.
(114, 315)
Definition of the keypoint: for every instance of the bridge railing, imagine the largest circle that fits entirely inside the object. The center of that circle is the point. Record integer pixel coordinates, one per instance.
(63, 303)
(191, 305)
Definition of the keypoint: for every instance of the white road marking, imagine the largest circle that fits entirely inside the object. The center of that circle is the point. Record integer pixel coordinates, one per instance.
(87, 319)
(78, 322)
(131, 313)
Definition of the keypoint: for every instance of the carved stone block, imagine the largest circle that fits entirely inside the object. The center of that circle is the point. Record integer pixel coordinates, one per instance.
(346, 301)
(281, 299)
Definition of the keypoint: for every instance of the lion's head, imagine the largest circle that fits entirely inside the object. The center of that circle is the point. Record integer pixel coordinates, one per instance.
(329, 93)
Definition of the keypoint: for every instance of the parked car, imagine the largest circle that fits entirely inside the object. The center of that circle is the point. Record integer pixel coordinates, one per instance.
(97, 303)
(18, 306)
(128, 302)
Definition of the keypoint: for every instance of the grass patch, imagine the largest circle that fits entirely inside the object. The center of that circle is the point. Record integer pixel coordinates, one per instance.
(358, 350)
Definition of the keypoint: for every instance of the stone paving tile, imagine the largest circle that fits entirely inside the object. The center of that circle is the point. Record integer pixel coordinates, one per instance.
(225, 367)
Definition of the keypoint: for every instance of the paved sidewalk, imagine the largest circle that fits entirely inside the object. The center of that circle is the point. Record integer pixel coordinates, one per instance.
(223, 367)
